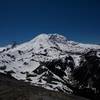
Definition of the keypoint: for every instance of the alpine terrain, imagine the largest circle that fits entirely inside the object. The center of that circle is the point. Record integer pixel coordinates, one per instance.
(53, 62)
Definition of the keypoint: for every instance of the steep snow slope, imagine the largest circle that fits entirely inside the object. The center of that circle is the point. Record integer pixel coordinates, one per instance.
(33, 61)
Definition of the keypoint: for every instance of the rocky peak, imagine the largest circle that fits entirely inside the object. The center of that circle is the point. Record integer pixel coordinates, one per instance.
(57, 38)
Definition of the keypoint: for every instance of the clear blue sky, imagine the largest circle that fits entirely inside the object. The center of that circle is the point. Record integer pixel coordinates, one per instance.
(21, 20)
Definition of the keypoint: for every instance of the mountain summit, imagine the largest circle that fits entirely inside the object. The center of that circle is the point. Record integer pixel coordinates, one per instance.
(52, 37)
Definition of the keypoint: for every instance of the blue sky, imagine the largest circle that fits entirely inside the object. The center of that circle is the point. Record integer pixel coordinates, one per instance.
(21, 20)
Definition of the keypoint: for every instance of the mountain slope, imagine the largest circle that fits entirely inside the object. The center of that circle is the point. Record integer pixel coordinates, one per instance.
(45, 61)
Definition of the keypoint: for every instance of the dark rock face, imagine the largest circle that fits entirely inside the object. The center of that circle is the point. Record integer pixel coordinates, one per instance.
(12, 89)
(57, 67)
(88, 76)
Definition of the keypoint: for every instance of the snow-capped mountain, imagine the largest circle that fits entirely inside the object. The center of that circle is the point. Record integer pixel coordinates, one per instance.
(46, 61)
